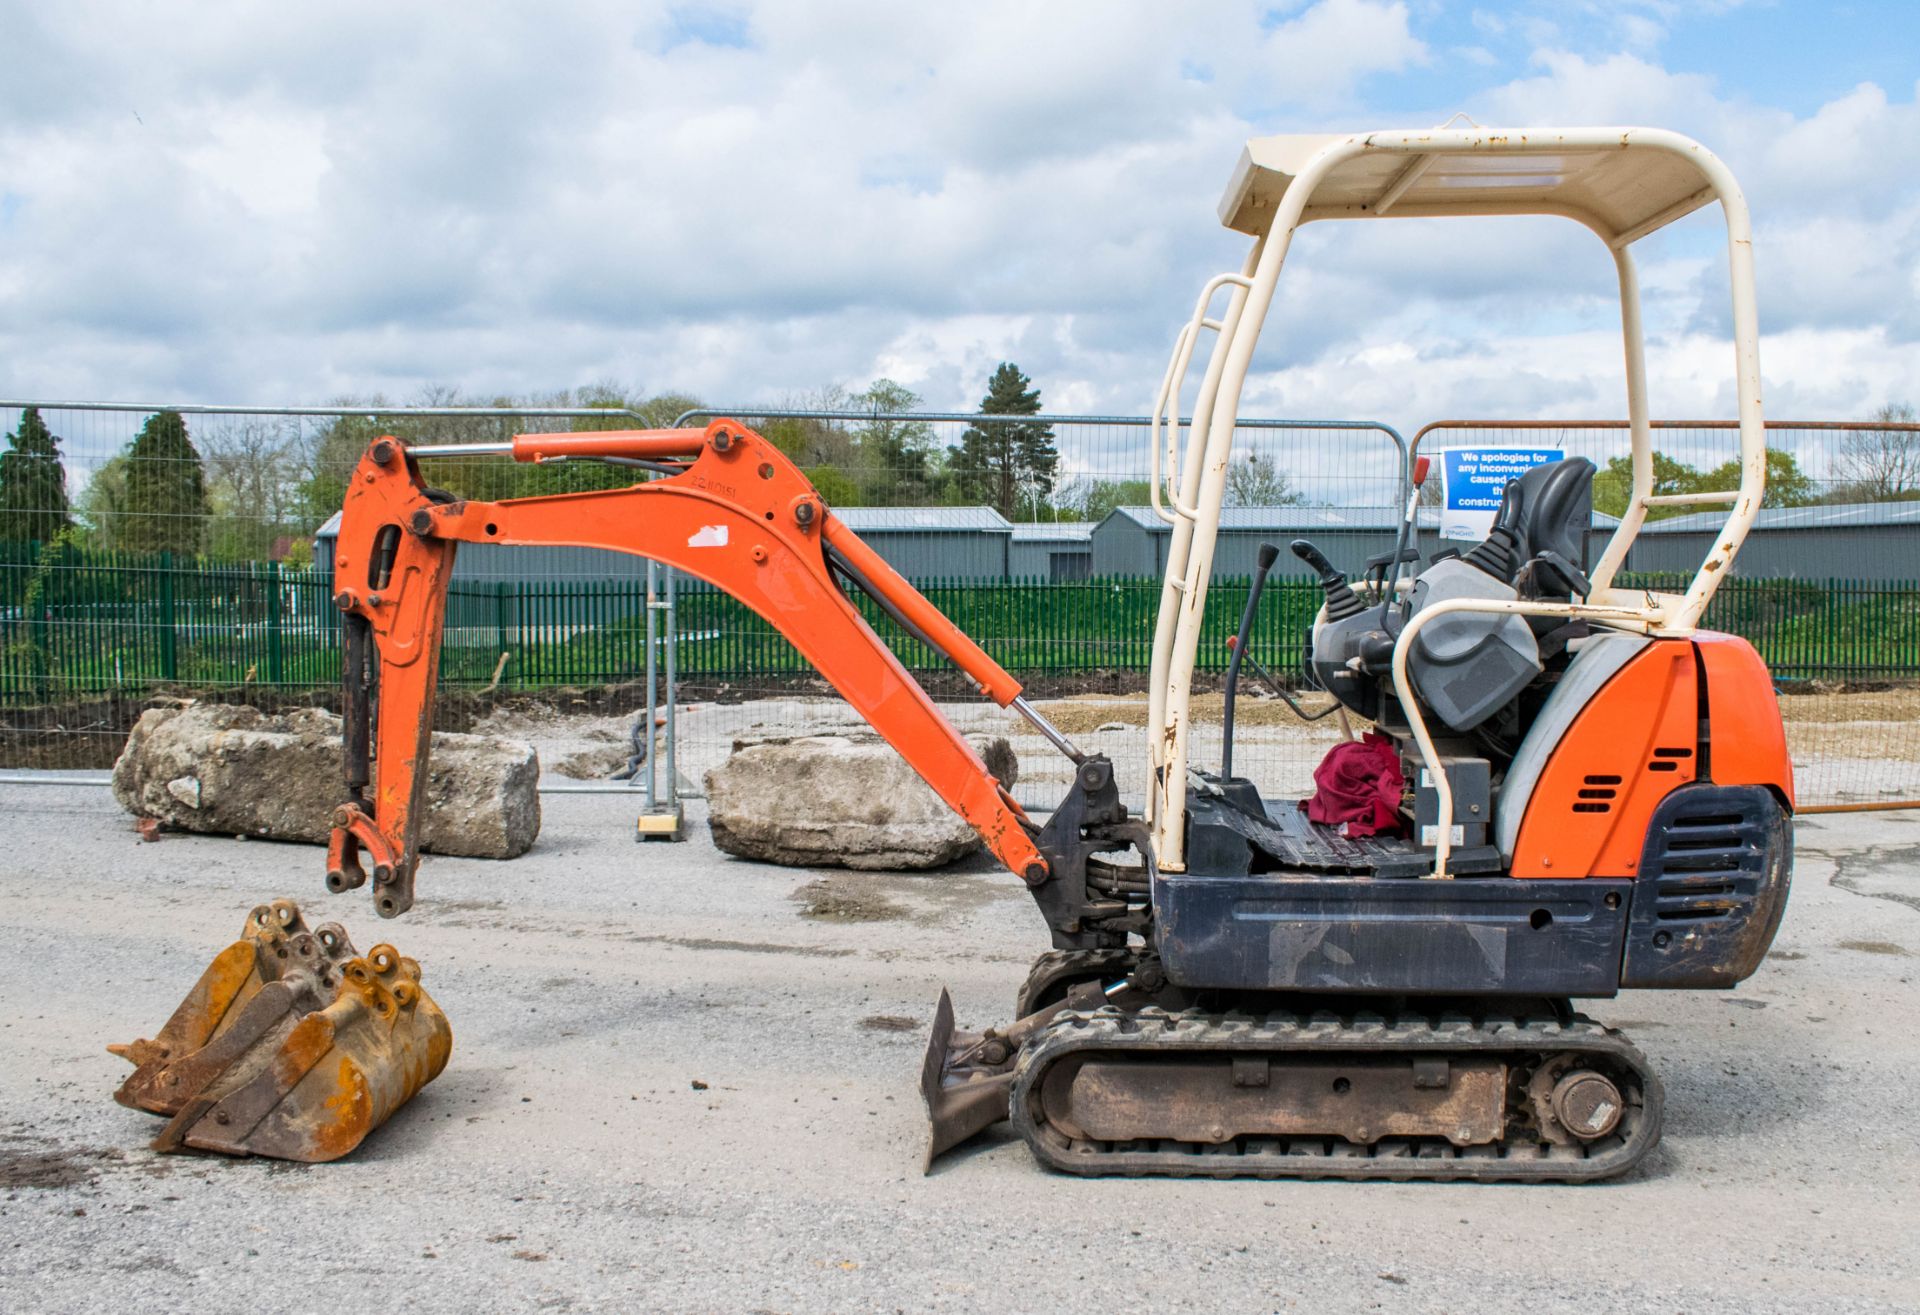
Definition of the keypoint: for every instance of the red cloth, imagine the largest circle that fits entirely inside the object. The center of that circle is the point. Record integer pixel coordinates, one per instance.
(1357, 786)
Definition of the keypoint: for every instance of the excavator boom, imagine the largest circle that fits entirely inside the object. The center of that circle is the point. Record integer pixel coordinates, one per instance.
(734, 511)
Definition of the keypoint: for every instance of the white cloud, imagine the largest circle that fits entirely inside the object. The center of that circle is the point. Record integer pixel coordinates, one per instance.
(272, 203)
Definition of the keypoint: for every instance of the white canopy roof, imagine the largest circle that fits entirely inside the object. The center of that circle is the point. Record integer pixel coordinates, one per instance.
(1624, 182)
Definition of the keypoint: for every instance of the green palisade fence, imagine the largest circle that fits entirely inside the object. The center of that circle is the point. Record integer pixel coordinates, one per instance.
(76, 624)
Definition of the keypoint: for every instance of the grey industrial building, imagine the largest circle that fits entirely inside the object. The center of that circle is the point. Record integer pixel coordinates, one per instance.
(1132, 541)
(1835, 541)
(491, 562)
(1867, 541)
(1053, 551)
(922, 543)
(936, 543)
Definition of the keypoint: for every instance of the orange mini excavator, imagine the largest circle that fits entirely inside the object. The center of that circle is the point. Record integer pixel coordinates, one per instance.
(1599, 791)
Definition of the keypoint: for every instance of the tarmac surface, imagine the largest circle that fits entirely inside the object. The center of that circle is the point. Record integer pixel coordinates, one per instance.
(673, 1089)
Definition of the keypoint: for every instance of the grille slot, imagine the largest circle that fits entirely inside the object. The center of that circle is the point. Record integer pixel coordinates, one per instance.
(1597, 794)
(1706, 866)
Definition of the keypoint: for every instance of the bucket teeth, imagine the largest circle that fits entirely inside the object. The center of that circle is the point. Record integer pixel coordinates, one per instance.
(275, 945)
(290, 1045)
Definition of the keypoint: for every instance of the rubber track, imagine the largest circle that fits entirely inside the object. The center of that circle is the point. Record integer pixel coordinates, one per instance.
(1072, 966)
(1156, 1031)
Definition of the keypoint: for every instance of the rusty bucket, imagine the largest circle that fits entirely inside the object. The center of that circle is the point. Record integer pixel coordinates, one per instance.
(290, 1045)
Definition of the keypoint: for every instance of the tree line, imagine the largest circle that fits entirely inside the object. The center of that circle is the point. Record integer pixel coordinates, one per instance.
(253, 489)
(257, 488)
(1869, 465)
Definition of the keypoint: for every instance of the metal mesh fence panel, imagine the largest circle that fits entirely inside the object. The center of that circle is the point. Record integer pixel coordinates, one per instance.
(1827, 585)
(1056, 574)
(161, 571)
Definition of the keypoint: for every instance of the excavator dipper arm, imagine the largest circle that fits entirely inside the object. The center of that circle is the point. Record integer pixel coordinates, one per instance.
(738, 514)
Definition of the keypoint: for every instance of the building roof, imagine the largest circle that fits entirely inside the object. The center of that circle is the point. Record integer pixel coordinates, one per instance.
(1053, 532)
(1314, 518)
(329, 528)
(1822, 516)
(937, 520)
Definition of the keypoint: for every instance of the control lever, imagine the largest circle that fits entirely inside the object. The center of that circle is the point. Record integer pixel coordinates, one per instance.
(1342, 602)
(1269, 554)
(1280, 692)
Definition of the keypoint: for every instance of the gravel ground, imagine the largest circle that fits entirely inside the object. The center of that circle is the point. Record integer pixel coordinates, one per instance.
(568, 1160)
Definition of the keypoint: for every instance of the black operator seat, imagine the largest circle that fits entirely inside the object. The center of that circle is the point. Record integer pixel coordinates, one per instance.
(1550, 508)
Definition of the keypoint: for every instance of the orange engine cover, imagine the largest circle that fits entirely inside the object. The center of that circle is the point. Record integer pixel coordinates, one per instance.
(1747, 740)
(1633, 743)
(1641, 738)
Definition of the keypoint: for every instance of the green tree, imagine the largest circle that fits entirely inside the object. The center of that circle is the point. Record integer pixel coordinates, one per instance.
(1613, 486)
(1089, 499)
(334, 447)
(33, 484)
(1787, 484)
(893, 454)
(835, 487)
(166, 495)
(1009, 462)
(810, 442)
(102, 505)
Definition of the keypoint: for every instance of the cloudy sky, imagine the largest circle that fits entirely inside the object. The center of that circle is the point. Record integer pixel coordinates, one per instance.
(291, 203)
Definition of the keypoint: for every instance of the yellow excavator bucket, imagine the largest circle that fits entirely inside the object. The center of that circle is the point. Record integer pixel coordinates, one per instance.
(290, 1045)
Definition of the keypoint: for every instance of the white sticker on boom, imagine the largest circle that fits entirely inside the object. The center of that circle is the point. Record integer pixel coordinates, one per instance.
(709, 536)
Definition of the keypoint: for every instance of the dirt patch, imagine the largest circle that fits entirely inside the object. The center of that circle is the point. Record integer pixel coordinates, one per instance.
(596, 764)
(828, 900)
(890, 1023)
(1088, 713)
(742, 947)
(941, 682)
(1825, 703)
(89, 733)
(1877, 947)
(42, 1166)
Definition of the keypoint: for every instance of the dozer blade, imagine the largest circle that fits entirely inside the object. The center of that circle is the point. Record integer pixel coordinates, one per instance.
(966, 1078)
(275, 946)
(963, 1095)
(312, 1092)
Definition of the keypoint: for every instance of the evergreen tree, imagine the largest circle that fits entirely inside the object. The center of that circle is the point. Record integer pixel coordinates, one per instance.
(1007, 462)
(166, 502)
(33, 484)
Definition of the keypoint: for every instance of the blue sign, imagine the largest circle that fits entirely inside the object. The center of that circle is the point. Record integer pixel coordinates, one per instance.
(1472, 481)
